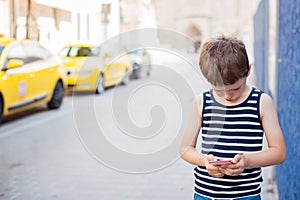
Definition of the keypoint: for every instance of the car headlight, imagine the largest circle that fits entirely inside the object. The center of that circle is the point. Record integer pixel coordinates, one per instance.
(70, 72)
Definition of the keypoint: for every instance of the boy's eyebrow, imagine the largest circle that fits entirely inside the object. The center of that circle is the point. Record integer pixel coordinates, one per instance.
(223, 89)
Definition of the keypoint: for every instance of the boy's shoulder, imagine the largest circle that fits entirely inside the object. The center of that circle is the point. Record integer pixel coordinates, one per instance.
(206, 92)
(266, 99)
(198, 99)
(267, 105)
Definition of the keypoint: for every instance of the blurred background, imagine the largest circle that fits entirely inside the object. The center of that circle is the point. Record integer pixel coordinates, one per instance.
(270, 30)
(59, 23)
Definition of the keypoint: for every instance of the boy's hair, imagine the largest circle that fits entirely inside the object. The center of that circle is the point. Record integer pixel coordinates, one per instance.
(224, 60)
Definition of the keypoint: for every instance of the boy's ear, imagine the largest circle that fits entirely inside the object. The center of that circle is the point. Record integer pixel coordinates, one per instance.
(249, 70)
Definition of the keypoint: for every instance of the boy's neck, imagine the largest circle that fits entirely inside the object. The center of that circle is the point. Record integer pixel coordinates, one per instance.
(246, 90)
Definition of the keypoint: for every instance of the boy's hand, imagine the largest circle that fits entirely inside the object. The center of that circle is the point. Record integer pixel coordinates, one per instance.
(211, 169)
(236, 168)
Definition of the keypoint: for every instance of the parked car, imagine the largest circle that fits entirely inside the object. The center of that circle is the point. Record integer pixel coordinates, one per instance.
(141, 62)
(30, 76)
(91, 68)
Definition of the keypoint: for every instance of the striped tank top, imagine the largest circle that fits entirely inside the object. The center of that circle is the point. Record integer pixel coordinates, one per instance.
(227, 131)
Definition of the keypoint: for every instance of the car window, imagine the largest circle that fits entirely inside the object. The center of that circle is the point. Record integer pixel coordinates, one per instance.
(95, 51)
(16, 52)
(134, 52)
(44, 53)
(83, 51)
(35, 52)
(73, 52)
(113, 49)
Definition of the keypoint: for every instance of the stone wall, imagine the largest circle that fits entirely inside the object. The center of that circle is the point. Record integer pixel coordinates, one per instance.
(288, 177)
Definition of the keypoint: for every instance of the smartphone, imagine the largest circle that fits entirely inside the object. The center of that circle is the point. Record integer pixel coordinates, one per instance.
(220, 162)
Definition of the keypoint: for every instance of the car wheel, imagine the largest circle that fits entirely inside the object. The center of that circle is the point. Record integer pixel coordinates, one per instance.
(57, 97)
(100, 85)
(126, 78)
(149, 70)
(1, 109)
(136, 74)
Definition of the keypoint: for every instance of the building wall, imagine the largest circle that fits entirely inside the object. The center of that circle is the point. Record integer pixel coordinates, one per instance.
(58, 23)
(288, 176)
(88, 25)
(212, 17)
(4, 16)
(272, 47)
(20, 9)
(261, 39)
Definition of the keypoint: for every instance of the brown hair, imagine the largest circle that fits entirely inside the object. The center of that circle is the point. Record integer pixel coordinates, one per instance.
(224, 60)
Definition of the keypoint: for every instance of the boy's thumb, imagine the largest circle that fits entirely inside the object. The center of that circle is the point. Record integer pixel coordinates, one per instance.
(237, 158)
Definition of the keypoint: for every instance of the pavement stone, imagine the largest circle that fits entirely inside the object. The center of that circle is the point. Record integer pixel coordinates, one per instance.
(48, 162)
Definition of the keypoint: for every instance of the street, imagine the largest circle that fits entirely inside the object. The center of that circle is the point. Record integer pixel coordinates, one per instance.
(69, 153)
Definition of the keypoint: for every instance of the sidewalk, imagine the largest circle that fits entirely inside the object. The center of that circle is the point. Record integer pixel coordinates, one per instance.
(269, 187)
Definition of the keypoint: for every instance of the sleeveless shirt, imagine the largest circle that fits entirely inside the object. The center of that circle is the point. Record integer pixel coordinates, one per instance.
(227, 131)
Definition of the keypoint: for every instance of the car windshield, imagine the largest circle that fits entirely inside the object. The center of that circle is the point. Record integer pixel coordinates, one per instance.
(76, 51)
(1, 49)
(137, 51)
(133, 52)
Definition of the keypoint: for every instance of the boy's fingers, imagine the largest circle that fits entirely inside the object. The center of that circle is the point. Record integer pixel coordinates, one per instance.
(237, 158)
(210, 157)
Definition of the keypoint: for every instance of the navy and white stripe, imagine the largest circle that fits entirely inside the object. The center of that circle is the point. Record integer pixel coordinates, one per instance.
(227, 131)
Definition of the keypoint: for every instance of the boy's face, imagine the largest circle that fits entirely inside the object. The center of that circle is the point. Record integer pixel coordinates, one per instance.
(231, 93)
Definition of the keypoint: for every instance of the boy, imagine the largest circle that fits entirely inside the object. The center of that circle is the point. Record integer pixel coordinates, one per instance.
(232, 118)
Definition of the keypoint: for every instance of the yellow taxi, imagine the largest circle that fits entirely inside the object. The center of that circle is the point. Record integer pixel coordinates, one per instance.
(94, 68)
(30, 76)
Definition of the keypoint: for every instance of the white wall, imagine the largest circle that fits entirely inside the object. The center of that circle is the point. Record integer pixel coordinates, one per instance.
(4, 18)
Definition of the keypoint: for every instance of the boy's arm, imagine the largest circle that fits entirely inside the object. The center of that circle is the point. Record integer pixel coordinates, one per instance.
(276, 152)
(188, 150)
